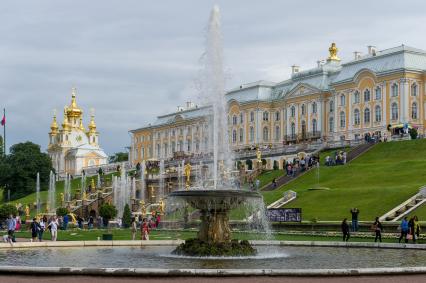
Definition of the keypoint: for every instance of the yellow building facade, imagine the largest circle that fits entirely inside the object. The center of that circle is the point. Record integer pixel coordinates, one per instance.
(71, 147)
(381, 92)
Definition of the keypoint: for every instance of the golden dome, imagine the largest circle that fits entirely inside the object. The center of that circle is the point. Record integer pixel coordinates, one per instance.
(54, 126)
(92, 124)
(65, 123)
(81, 125)
(73, 111)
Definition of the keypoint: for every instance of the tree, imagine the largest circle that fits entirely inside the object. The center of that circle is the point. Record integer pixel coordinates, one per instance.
(107, 212)
(1, 146)
(61, 211)
(127, 216)
(413, 133)
(119, 157)
(6, 210)
(18, 170)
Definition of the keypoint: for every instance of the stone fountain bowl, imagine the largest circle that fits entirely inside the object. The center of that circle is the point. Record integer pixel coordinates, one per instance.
(219, 200)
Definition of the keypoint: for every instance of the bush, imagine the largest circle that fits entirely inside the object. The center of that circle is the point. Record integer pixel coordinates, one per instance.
(127, 216)
(276, 165)
(6, 210)
(61, 211)
(107, 211)
(249, 163)
(413, 134)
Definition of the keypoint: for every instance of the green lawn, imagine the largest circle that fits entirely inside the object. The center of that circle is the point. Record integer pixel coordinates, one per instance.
(420, 212)
(267, 176)
(375, 182)
(125, 234)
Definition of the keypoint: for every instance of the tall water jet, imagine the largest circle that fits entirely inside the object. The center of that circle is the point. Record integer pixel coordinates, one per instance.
(38, 194)
(213, 92)
(133, 188)
(98, 183)
(161, 181)
(143, 185)
(51, 202)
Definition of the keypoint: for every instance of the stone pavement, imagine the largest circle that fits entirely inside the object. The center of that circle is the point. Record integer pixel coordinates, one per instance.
(91, 279)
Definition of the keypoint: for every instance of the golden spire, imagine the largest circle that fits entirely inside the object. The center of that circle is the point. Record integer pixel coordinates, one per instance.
(65, 124)
(333, 53)
(92, 124)
(73, 110)
(54, 125)
(81, 125)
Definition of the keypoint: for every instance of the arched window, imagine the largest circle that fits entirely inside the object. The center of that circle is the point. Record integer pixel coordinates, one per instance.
(414, 89)
(342, 119)
(293, 130)
(241, 118)
(265, 134)
(166, 147)
(314, 126)
(303, 109)
(251, 134)
(303, 129)
(173, 146)
(394, 90)
(356, 117)
(241, 135)
(234, 136)
(277, 116)
(331, 124)
(234, 120)
(158, 150)
(293, 111)
(251, 116)
(277, 133)
(367, 115)
(414, 111)
(378, 93)
(394, 111)
(342, 100)
(331, 105)
(314, 107)
(366, 95)
(378, 113)
(356, 97)
(265, 116)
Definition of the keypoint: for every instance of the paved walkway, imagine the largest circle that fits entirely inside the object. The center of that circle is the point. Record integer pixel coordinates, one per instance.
(79, 279)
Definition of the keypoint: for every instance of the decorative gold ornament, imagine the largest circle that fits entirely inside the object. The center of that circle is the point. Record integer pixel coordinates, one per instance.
(162, 206)
(333, 53)
(259, 155)
(54, 126)
(27, 211)
(143, 208)
(73, 111)
(187, 170)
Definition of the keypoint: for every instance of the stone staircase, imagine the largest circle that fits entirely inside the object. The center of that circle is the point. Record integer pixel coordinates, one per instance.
(287, 197)
(406, 207)
(359, 150)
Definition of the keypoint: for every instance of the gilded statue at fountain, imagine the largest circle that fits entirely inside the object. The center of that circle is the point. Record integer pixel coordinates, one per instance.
(187, 170)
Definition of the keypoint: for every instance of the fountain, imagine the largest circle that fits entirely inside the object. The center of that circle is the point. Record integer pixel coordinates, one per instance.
(219, 197)
(38, 193)
(51, 200)
(143, 186)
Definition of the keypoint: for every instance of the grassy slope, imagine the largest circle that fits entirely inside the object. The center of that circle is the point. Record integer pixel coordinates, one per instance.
(375, 183)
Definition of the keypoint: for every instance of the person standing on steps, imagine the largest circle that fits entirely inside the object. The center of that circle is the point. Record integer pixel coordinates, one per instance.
(378, 229)
(354, 212)
(345, 230)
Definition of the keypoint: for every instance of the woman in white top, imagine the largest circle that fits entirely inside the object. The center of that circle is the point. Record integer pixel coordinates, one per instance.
(54, 228)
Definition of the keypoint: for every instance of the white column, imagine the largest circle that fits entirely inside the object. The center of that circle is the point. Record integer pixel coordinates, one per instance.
(384, 105)
(348, 101)
(258, 125)
(404, 101)
(320, 116)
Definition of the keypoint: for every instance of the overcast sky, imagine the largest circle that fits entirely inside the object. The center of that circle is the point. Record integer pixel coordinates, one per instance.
(134, 60)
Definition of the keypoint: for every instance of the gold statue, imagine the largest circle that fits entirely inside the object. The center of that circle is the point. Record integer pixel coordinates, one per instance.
(27, 211)
(333, 53)
(84, 195)
(62, 198)
(93, 184)
(259, 155)
(162, 206)
(187, 169)
(143, 208)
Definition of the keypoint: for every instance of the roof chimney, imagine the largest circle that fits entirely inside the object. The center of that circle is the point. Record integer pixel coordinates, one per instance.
(357, 55)
(371, 50)
(295, 69)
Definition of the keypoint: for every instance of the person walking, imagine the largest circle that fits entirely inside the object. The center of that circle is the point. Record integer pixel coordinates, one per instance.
(53, 226)
(90, 223)
(378, 228)
(274, 183)
(42, 228)
(11, 225)
(145, 230)
(354, 212)
(65, 221)
(345, 230)
(404, 230)
(257, 184)
(35, 228)
(416, 227)
(134, 228)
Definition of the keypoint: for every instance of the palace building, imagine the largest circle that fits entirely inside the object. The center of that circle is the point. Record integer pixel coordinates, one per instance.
(71, 147)
(381, 92)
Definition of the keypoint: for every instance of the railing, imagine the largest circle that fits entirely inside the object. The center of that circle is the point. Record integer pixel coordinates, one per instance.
(303, 136)
(288, 195)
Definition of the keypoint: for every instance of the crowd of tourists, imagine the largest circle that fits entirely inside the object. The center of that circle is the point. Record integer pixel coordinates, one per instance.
(409, 229)
(298, 165)
(339, 158)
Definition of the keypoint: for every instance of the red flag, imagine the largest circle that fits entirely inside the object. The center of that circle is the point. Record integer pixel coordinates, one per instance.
(3, 121)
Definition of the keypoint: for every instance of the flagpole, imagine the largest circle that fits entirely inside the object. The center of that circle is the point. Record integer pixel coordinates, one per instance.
(4, 133)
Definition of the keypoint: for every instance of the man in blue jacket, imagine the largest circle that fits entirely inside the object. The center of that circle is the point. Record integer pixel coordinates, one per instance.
(404, 230)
